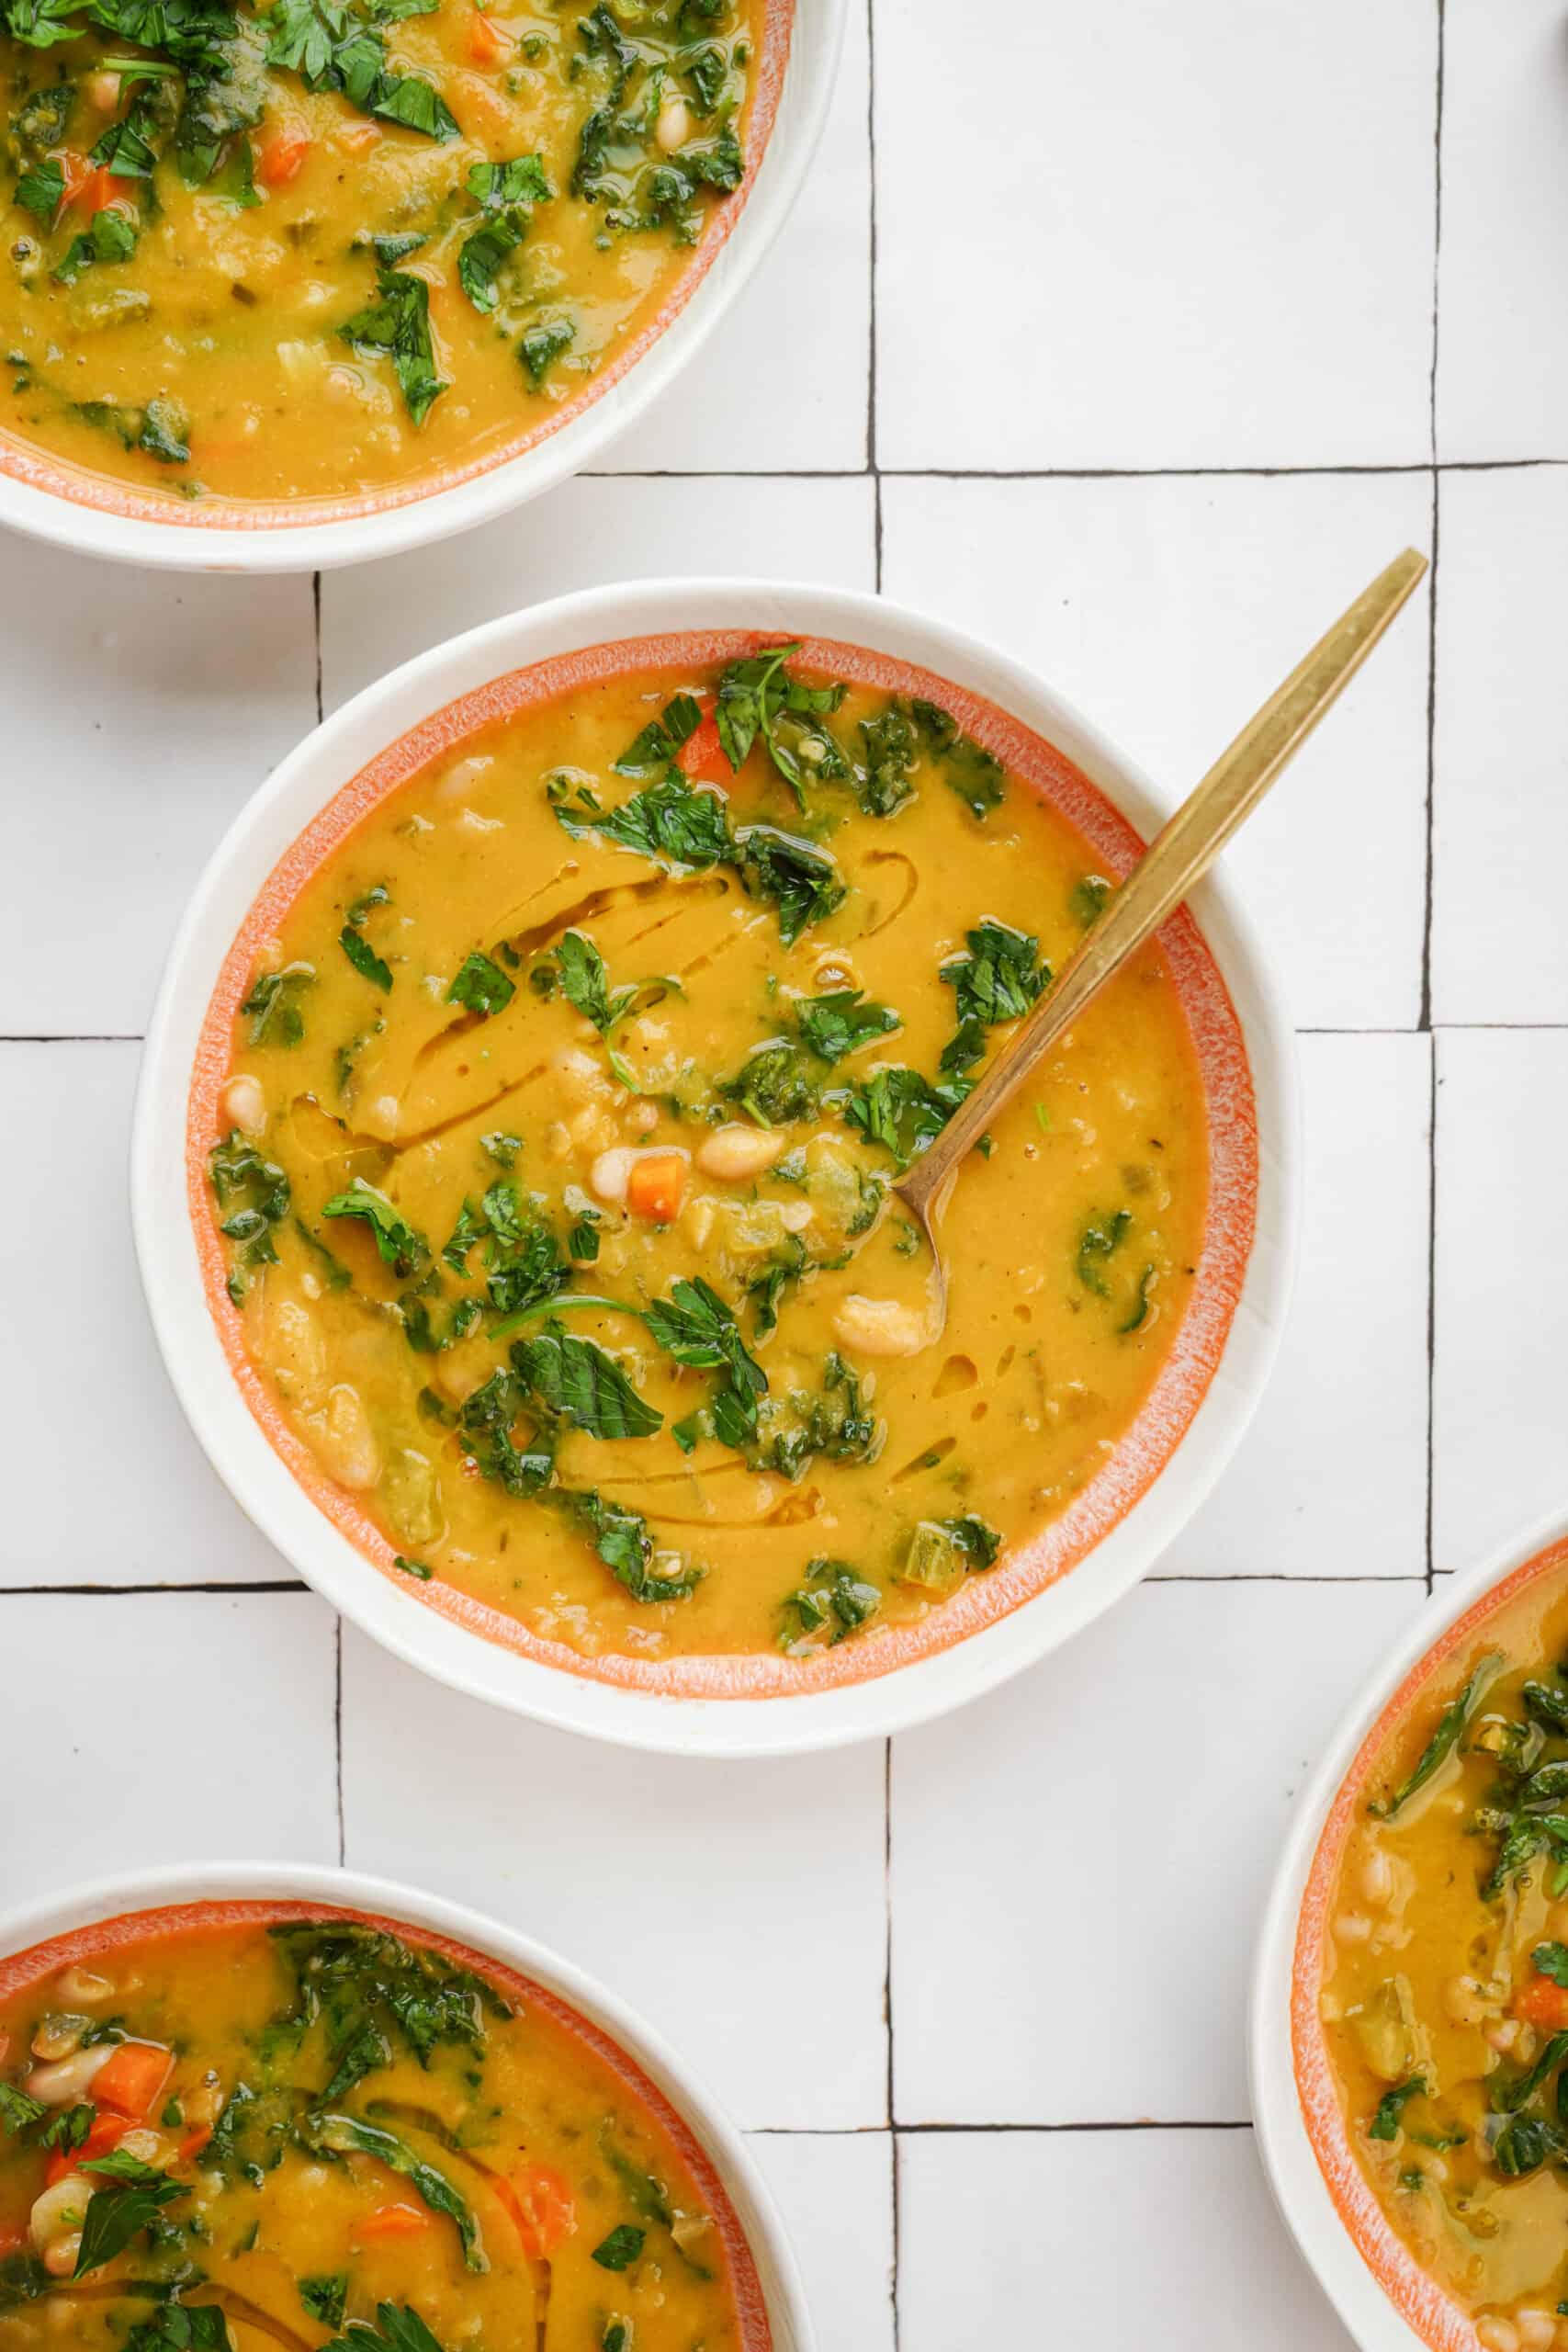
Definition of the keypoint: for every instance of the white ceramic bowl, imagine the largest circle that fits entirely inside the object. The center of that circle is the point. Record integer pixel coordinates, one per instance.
(1115, 1529)
(203, 539)
(718, 2144)
(1385, 2301)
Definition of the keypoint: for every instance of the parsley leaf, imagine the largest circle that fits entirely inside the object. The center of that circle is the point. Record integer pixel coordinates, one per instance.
(975, 774)
(775, 1086)
(182, 2327)
(115, 2214)
(661, 737)
(669, 822)
(621, 2248)
(242, 1173)
(576, 1379)
(399, 1244)
(18, 2107)
(622, 1539)
(363, 956)
(398, 326)
(904, 1111)
(481, 987)
(345, 2134)
(395, 2331)
(695, 1327)
(111, 238)
(837, 1024)
(542, 344)
(756, 695)
(1000, 976)
(274, 1005)
(41, 189)
(836, 1598)
(325, 2297)
(1100, 1239)
(801, 880)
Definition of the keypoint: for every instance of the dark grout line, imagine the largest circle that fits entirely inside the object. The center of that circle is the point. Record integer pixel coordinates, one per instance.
(338, 1742)
(888, 1910)
(1072, 474)
(126, 1592)
(79, 1037)
(1428, 879)
(1274, 1575)
(1438, 214)
(1144, 2123)
(895, 2175)
(316, 623)
(1431, 1300)
(870, 375)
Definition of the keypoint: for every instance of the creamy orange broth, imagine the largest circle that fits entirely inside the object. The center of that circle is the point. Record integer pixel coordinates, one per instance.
(789, 1456)
(324, 2120)
(247, 278)
(1450, 1977)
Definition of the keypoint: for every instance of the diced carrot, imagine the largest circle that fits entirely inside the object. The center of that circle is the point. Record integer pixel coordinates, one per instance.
(133, 2078)
(540, 2203)
(76, 171)
(392, 2222)
(281, 157)
(655, 1185)
(105, 2132)
(487, 42)
(702, 756)
(100, 189)
(193, 2144)
(1542, 2003)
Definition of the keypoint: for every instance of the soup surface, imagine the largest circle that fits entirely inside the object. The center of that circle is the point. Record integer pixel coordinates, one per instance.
(1445, 2008)
(331, 247)
(556, 1162)
(235, 2137)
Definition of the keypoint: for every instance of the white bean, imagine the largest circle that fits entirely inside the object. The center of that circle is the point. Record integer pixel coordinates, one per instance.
(346, 1442)
(879, 1327)
(1352, 1928)
(1465, 2001)
(381, 1117)
(244, 1104)
(592, 1129)
(737, 1153)
(675, 124)
(64, 2083)
(1496, 2334)
(1502, 2033)
(1377, 1878)
(60, 2210)
(296, 1351)
(610, 1172)
(60, 2256)
(80, 1987)
(1537, 2328)
(795, 1215)
(580, 1073)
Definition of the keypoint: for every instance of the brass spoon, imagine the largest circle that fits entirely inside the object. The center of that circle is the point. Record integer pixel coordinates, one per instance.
(1182, 852)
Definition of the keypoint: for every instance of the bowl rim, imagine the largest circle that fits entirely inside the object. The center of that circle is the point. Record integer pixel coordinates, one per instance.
(383, 714)
(1385, 2299)
(99, 1901)
(609, 403)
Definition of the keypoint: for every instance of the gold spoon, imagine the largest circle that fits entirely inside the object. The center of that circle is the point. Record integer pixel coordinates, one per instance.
(1182, 852)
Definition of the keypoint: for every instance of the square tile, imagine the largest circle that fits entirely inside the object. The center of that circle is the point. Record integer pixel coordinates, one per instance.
(742, 1911)
(144, 708)
(1500, 1389)
(1167, 611)
(89, 1412)
(758, 400)
(1500, 800)
(117, 1692)
(1366, 1126)
(1157, 1756)
(586, 533)
(1503, 339)
(1023, 2239)
(1144, 236)
(835, 2191)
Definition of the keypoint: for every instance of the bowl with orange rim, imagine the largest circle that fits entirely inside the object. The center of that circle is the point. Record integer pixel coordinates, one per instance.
(865, 1576)
(300, 451)
(600, 2175)
(1403, 2002)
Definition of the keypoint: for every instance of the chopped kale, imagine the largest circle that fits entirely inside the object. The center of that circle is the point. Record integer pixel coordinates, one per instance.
(622, 1539)
(801, 880)
(242, 1173)
(669, 822)
(575, 1379)
(839, 1024)
(398, 1243)
(480, 986)
(904, 1111)
(274, 1005)
(835, 1598)
(396, 326)
(660, 740)
(621, 2248)
(775, 1086)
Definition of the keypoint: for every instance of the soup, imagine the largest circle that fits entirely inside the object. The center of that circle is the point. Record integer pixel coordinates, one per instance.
(1445, 2000)
(335, 249)
(553, 1168)
(276, 2128)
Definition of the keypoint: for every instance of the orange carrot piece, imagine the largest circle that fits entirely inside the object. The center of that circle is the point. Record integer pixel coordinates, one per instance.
(281, 157)
(701, 756)
(487, 43)
(193, 2144)
(105, 2132)
(101, 190)
(655, 1184)
(541, 2205)
(392, 2222)
(133, 2078)
(1542, 2003)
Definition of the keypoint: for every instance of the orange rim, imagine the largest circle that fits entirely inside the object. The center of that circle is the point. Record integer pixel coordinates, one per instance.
(39, 470)
(1436, 2319)
(1180, 1386)
(26, 1968)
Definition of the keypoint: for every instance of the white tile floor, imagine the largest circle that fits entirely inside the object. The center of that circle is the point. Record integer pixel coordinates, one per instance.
(1173, 274)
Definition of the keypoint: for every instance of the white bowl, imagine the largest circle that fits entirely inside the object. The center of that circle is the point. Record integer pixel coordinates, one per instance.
(87, 512)
(1385, 2299)
(1116, 1528)
(710, 2137)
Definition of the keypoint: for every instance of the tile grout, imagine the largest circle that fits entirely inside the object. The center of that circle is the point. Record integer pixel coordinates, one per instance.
(316, 625)
(960, 2131)
(1425, 465)
(297, 1585)
(1306, 1029)
(1431, 1304)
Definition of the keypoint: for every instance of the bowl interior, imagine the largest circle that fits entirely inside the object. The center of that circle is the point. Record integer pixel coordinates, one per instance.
(1200, 1395)
(51, 499)
(78, 1924)
(1383, 2295)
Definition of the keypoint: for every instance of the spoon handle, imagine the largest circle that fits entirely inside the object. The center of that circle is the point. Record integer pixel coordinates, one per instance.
(1181, 853)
